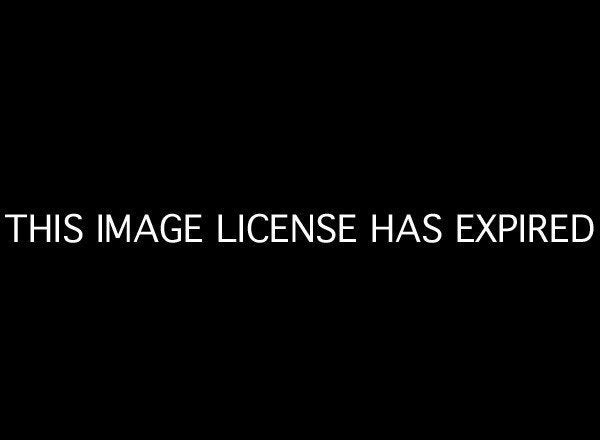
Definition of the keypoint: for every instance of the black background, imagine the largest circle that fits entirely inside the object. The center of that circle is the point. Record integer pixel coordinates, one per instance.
(386, 112)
